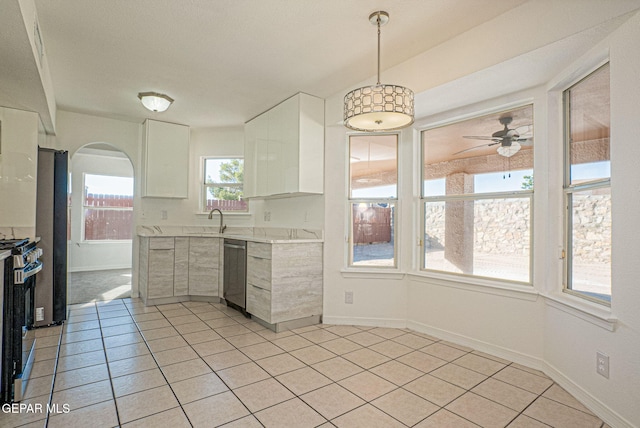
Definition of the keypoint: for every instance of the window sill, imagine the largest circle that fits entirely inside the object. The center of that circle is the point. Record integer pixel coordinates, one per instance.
(104, 241)
(373, 273)
(585, 310)
(478, 285)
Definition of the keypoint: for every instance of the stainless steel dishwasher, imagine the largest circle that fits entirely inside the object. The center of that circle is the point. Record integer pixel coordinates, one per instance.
(235, 273)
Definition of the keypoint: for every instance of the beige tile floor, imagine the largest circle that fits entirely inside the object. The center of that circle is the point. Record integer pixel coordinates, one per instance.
(197, 364)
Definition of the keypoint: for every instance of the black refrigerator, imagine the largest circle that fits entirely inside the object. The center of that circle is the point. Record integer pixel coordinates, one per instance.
(50, 306)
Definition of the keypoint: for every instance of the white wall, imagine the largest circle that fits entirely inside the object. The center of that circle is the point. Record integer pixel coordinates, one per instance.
(95, 255)
(18, 170)
(571, 343)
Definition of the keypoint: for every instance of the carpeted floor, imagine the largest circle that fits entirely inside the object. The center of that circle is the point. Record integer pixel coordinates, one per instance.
(96, 286)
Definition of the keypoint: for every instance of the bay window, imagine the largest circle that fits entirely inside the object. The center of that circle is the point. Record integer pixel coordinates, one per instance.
(477, 191)
(373, 197)
(587, 188)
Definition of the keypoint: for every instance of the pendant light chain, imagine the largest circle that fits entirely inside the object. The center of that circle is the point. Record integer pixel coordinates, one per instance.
(378, 49)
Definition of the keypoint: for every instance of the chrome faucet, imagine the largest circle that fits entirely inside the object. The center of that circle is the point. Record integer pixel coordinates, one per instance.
(222, 228)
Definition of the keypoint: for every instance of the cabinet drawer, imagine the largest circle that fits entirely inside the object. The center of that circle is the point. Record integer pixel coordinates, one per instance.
(259, 272)
(259, 250)
(161, 243)
(259, 302)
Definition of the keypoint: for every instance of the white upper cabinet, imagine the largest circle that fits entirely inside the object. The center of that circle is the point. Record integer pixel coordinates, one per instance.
(165, 160)
(284, 149)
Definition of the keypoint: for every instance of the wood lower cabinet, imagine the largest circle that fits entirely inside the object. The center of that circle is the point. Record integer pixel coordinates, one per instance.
(181, 267)
(204, 266)
(284, 281)
(178, 268)
(157, 257)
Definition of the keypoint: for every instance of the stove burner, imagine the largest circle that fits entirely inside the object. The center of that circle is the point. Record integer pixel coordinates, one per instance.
(7, 244)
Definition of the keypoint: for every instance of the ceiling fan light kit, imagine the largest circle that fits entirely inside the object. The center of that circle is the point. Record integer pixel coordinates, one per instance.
(155, 101)
(379, 107)
(510, 141)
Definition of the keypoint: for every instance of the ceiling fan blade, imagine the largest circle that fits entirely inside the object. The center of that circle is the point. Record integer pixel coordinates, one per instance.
(476, 137)
(524, 129)
(525, 141)
(475, 147)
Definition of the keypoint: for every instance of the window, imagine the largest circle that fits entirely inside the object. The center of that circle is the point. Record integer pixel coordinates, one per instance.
(373, 195)
(108, 207)
(222, 187)
(587, 188)
(477, 190)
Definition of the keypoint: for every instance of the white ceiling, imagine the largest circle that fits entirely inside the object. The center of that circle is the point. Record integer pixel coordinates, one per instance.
(226, 61)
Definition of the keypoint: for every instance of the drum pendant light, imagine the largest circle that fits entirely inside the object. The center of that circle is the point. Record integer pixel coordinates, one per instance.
(378, 107)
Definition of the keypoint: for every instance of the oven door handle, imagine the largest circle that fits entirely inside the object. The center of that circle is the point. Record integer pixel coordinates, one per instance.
(20, 275)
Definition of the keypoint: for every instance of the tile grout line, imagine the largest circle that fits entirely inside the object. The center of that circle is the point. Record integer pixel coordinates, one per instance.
(106, 359)
(55, 373)
(158, 365)
(130, 308)
(222, 380)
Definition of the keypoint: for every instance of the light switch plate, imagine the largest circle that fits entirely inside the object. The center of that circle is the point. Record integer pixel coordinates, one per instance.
(348, 297)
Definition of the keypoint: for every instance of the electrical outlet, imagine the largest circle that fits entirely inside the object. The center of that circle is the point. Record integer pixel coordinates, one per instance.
(164, 215)
(348, 297)
(602, 364)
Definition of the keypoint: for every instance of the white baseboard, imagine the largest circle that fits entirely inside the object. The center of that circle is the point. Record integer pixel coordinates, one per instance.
(596, 406)
(479, 345)
(371, 322)
(94, 268)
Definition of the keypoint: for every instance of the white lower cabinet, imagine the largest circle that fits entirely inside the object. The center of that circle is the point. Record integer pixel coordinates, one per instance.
(178, 268)
(284, 281)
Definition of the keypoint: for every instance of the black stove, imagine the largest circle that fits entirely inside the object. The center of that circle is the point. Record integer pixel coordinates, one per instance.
(18, 338)
(10, 244)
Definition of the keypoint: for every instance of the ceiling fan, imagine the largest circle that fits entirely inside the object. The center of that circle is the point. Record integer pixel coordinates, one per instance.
(509, 139)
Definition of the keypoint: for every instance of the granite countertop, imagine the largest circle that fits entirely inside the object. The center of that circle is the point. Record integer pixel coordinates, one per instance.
(265, 235)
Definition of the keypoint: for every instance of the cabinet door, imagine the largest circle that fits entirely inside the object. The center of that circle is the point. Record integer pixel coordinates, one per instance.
(262, 154)
(311, 147)
(250, 158)
(204, 269)
(289, 132)
(165, 160)
(275, 174)
(181, 267)
(160, 274)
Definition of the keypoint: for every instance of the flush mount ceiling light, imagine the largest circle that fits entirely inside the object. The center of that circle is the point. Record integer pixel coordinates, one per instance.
(378, 107)
(154, 101)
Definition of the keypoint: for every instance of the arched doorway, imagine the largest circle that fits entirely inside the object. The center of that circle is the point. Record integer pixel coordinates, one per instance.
(100, 227)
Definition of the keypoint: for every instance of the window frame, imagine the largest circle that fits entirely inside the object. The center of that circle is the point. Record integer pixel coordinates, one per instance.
(569, 189)
(505, 195)
(351, 201)
(204, 186)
